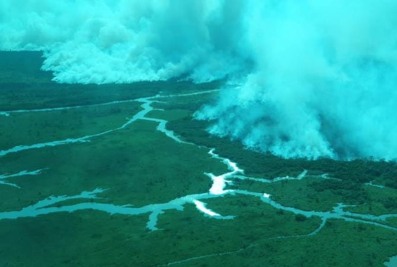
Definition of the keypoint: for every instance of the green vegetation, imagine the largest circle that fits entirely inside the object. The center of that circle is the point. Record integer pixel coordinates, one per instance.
(257, 164)
(141, 166)
(57, 125)
(24, 86)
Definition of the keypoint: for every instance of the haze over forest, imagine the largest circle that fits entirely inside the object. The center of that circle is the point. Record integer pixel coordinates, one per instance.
(303, 78)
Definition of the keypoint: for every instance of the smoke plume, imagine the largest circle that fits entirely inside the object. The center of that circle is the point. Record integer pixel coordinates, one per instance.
(305, 78)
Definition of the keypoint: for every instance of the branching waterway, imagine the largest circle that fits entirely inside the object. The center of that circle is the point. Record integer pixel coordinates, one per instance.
(85, 200)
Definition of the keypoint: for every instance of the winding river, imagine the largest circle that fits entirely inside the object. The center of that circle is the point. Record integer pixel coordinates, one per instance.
(218, 188)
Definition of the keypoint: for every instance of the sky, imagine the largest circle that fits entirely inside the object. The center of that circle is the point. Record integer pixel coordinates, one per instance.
(304, 78)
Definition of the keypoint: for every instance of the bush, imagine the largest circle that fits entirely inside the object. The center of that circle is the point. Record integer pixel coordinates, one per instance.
(300, 218)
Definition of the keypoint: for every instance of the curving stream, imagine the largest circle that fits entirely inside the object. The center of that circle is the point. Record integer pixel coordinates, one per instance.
(218, 188)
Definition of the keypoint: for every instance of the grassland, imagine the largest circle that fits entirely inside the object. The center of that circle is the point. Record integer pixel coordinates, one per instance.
(139, 166)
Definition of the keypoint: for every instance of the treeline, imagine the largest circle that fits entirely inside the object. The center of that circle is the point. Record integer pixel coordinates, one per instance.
(255, 163)
(350, 191)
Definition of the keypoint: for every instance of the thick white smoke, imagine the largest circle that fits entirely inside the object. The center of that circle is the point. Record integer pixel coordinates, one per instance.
(306, 78)
(105, 41)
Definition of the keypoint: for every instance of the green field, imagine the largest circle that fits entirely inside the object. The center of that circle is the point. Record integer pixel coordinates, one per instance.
(87, 181)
